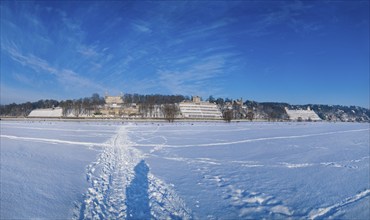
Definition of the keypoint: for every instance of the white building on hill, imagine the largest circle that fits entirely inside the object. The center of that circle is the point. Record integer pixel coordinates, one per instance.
(47, 112)
(199, 109)
(302, 115)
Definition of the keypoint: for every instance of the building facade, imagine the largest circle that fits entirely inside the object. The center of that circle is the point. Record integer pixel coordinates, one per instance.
(198, 109)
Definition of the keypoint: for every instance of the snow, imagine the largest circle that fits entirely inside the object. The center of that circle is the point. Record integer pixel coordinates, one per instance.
(302, 114)
(48, 112)
(201, 170)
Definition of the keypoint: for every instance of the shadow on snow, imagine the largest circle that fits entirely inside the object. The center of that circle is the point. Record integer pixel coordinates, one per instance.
(137, 197)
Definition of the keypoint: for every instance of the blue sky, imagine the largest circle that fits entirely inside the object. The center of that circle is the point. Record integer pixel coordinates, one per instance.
(285, 51)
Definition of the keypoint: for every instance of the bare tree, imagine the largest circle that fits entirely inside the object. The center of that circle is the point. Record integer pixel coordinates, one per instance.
(228, 115)
(170, 111)
(250, 115)
(86, 106)
(66, 107)
(77, 107)
(95, 98)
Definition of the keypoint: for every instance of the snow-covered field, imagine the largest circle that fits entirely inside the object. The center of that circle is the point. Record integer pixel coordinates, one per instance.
(201, 170)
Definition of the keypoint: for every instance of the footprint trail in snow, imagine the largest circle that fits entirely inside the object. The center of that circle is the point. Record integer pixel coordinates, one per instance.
(122, 186)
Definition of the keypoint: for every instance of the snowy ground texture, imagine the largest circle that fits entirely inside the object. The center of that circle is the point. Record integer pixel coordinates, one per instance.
(200, 170)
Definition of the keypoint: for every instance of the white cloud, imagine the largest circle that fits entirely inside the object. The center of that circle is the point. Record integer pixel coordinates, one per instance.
(141, 26)
(195, 78)
(208, 29)
(64, 76)
(286, 14)
(87, 51)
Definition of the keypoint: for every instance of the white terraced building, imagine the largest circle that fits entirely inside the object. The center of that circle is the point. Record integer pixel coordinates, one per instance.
(304, 115)
(199, 109)
(48, 112)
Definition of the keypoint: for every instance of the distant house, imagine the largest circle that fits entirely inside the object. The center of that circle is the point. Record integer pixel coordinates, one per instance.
(113, 101)
(302, 115)
(198, 109)
(47, 112)
(113, 105)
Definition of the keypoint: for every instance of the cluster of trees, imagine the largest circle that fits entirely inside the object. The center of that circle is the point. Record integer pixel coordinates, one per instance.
(251, 110)
(338, 112)
(271, 111)
(86, 105)
(150, 104)
(78, 106)
(155, 99)
(16, 110)
(170, 111)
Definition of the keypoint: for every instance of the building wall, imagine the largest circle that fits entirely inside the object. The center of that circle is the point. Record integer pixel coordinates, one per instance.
(110, 100)
(199, 110)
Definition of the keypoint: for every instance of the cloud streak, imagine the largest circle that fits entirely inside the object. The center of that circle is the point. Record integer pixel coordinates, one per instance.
(195, 77)
(291, 14)
(64, 76)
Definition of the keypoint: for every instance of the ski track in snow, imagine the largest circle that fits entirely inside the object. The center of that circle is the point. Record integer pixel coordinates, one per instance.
(349, 164)
(252, 140)
(323, 213)
(60, 129)
(54, 141)
(122, 186)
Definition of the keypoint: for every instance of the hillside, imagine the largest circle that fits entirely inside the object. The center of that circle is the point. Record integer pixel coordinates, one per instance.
(252, 110)
(276, 111)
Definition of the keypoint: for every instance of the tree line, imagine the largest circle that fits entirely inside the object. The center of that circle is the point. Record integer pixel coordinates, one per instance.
(166, 104)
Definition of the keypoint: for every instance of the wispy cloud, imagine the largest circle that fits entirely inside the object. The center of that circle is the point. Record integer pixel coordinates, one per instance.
(64, 76)
(203, 29)
(290, 14)
(31, 61)
(141, 26)
(25, 80)
(87, 51)
(194, 78)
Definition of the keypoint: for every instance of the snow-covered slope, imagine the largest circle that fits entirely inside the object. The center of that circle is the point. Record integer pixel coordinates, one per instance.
(188, 170)
(304, 115)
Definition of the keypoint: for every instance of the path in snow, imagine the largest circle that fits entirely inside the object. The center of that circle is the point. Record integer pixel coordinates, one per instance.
(121, 186)
(323, 213)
